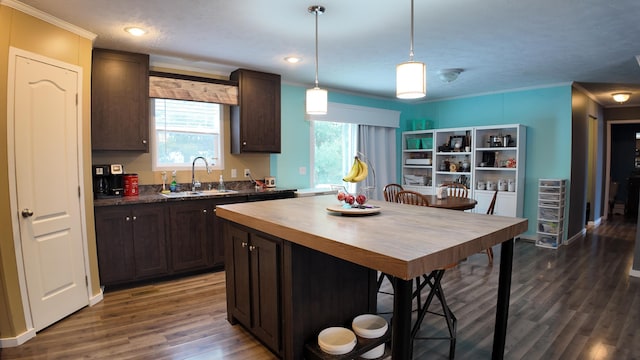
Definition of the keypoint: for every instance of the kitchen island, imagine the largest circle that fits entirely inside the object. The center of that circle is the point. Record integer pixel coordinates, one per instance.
(402, 240)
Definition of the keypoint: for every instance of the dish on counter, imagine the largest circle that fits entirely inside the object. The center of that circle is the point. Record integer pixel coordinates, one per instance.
(354, 210)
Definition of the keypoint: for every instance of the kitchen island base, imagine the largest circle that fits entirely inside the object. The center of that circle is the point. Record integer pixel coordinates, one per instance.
(285, 294)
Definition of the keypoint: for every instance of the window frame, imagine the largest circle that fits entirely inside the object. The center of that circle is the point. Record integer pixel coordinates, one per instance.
(213, 165)
(346, 162)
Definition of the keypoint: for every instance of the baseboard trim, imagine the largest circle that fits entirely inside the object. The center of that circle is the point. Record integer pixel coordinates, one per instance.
(579, 235)
(634, 273)
(97, 297)
(18, 340)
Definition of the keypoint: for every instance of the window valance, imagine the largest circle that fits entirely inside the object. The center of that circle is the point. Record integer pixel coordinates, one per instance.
(361, 115)
(189, 88)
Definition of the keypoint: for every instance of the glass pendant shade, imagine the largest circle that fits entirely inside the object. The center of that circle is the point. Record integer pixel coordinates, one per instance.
(411, 80)
(316, 101)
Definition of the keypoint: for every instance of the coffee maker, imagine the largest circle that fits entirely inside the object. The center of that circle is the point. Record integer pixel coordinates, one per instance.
(107, 181)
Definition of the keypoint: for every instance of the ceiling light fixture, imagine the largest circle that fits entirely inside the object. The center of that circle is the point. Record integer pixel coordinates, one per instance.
(292, 59)
(316, 97)
(449, 75)
(411, 76)
(135, 31)
(621, 97)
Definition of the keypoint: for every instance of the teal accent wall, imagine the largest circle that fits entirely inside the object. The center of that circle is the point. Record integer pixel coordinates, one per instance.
(546, 112)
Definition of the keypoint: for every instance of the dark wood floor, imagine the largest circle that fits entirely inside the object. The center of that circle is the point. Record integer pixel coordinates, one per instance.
(577, 302)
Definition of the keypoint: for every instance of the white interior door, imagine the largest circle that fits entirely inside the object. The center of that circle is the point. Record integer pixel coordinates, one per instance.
(47, 186)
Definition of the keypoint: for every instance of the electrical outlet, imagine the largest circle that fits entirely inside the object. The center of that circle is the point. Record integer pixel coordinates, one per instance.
(247, 173)
(234, 173)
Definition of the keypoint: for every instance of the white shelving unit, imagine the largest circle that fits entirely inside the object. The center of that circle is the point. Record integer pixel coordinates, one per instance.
(417, 161)
(431, 157)
(499, 163)
(551, 201)
(454, 156)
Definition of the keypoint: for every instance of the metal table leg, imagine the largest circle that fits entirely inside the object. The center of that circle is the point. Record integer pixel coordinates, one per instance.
(504, 292)
(401, 328)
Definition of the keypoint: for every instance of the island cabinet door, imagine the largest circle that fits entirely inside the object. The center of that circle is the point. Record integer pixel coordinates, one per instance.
(238, 276)
(265, 288)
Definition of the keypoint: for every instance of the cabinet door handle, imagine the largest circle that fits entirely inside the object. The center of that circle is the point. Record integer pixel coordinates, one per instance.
(244, 143)
(144, 141)
(244, 244)
(127, 218)
(251, 247)
(204, 211)
(134, 218)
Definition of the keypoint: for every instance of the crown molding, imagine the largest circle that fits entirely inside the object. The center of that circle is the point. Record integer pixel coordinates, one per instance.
(29, 10)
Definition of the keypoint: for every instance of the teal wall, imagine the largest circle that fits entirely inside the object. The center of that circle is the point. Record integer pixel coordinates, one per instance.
(546, 112)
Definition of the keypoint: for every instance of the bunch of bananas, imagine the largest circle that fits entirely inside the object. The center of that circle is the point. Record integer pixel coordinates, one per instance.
(359, 171)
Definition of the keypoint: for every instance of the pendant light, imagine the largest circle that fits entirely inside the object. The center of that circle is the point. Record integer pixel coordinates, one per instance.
(316, 97)
(411, 76)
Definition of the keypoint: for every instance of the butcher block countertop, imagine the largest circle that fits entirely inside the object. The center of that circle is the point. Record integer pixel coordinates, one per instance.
(401, 240)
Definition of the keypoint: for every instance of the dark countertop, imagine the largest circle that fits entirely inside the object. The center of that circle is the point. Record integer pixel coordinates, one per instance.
(146, 198)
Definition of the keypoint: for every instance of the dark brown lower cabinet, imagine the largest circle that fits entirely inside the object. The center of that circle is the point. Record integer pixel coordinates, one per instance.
(285, 294)
(145, 241)
(131, 242)
(191, 234)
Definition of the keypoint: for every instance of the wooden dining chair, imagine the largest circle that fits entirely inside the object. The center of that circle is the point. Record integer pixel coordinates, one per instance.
(412, 198)
(490, 209)
(457, 190)
(390, 191)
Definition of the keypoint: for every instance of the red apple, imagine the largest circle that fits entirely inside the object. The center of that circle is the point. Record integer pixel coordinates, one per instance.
(361, 199)
(349, 199)
(341, 196)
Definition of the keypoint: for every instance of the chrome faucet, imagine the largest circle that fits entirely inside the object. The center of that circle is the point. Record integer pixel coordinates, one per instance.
(196, 184)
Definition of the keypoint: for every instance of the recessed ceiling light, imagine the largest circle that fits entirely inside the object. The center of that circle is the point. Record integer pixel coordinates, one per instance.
(292, 59)
(135, 31)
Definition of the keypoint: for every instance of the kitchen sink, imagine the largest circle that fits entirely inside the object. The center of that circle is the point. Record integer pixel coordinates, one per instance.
(212, 192)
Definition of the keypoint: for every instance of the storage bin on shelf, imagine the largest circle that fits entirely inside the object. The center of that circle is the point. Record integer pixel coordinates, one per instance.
(426, 143)
(413, 143)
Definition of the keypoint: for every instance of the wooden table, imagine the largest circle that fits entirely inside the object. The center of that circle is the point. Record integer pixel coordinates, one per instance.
(452, 203)
(402, 241)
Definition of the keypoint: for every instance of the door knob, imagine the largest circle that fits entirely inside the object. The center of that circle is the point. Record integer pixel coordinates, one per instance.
(27, 213)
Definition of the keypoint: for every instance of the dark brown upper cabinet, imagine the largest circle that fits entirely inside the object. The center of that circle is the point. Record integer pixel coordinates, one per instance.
(119, 101)
(255, 121)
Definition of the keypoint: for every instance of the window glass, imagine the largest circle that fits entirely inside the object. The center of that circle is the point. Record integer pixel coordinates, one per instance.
(184, 130)
(334, 146)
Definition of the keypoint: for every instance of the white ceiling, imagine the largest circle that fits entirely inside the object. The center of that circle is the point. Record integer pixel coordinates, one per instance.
(502, 45)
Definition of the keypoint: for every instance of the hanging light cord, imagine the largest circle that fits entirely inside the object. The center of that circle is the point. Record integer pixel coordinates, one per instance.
(411, 48)
(316, 10)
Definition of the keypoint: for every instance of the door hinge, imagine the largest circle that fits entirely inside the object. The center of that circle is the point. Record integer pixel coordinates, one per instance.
(79, 191)
(76, 99)
(86, 281)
